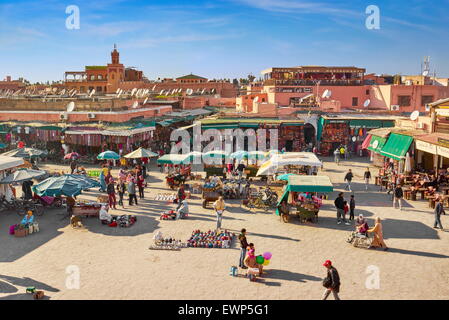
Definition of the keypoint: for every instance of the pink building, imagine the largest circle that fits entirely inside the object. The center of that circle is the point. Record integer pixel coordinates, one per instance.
(339, 88)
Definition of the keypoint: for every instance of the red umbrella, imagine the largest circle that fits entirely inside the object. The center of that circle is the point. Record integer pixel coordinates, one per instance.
(71, 155)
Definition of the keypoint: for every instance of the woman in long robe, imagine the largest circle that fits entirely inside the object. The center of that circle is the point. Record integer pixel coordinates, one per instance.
(378, 241)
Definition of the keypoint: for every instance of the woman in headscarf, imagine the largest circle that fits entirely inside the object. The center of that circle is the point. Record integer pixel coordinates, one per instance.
(378, 241)
(122, 175)
(102, 182)
(105, 217)
(28, 219)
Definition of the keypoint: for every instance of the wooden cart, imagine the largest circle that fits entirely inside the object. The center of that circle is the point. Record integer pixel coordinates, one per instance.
(209, 195)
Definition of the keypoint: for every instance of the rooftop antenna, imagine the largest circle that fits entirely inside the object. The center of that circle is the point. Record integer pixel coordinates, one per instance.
(425, 66)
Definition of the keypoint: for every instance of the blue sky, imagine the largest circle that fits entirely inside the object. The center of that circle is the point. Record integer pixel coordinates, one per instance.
(221, 38)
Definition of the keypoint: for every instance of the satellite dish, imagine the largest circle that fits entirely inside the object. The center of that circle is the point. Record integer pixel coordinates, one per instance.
(425, 73)
(133, 91)
(202, 91)
(117, 91)
(256, 99)
(366, 103)
(354, 139)
(375, 144)
(160, 93)
(154, 88)
(135, 104)
(189, 92)
(414, 115)
(325, 94)
(145, 101)
(92, 93)
(70, 106)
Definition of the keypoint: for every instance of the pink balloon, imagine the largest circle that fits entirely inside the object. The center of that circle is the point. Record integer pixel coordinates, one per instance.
(267, 255)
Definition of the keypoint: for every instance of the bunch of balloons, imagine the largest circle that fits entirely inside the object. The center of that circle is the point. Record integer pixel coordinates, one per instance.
(264, 259)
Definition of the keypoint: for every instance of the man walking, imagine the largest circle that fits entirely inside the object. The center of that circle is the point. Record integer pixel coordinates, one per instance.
(398, 193)
(219, 207)
(240, 169)
(351, 208)
(367, 177)
(348, 179)
(438, 211)
(340, 205)
(243, 246)
(331, 282)
(336, 156)
(132, 192)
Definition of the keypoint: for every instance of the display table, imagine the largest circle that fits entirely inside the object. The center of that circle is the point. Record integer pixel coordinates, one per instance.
(87, 209)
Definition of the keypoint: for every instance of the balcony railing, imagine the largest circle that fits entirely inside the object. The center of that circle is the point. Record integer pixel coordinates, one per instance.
(291, 82)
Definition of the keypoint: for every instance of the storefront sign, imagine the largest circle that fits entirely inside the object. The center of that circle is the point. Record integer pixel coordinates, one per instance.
(426, 147)
(442, 112)
(444, 152)
(443, 142)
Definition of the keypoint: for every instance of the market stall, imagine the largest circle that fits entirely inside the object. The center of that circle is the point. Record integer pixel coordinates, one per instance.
(177, 168)
(306, 193)
(290, 162)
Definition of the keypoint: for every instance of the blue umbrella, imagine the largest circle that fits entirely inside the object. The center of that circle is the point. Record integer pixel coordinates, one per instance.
(108, 155)
(85, 182)
(57, 186)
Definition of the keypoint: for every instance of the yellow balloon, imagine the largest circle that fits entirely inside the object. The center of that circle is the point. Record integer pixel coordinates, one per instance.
(266, 262)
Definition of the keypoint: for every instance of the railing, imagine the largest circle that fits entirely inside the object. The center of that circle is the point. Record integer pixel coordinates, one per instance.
(291, 82)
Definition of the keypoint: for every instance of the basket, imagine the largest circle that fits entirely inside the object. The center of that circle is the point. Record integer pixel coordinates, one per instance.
(19, 233)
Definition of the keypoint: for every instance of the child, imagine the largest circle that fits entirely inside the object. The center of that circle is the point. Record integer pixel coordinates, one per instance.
(351, 207)
(346, 207)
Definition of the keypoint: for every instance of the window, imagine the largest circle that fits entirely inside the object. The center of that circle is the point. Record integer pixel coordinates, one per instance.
(367, 92)
(92, 77)
(404, 101)
(426, 100)
(355, 101)
(100, 77)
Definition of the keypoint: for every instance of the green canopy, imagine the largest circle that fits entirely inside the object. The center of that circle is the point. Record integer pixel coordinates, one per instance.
(302, 183)
(174, 159)
(376, 146)
(396, 146)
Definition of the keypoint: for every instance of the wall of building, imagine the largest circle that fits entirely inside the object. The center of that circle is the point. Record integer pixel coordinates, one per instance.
(55, 116)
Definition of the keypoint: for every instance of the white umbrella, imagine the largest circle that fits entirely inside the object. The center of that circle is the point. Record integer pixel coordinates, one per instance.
(408, 163)
(141, 153)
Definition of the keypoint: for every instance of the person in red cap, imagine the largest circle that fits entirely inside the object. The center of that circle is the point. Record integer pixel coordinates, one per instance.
(331, 282)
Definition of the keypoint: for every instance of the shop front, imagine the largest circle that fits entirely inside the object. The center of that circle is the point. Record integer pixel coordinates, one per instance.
(432, 151)
(395, 150)
(351, 132)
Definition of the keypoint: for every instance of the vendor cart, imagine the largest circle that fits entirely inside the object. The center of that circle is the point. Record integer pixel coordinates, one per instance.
(307, 208)
(209, 195)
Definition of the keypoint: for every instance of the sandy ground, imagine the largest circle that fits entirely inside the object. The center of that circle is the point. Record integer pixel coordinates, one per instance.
(115, 263)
